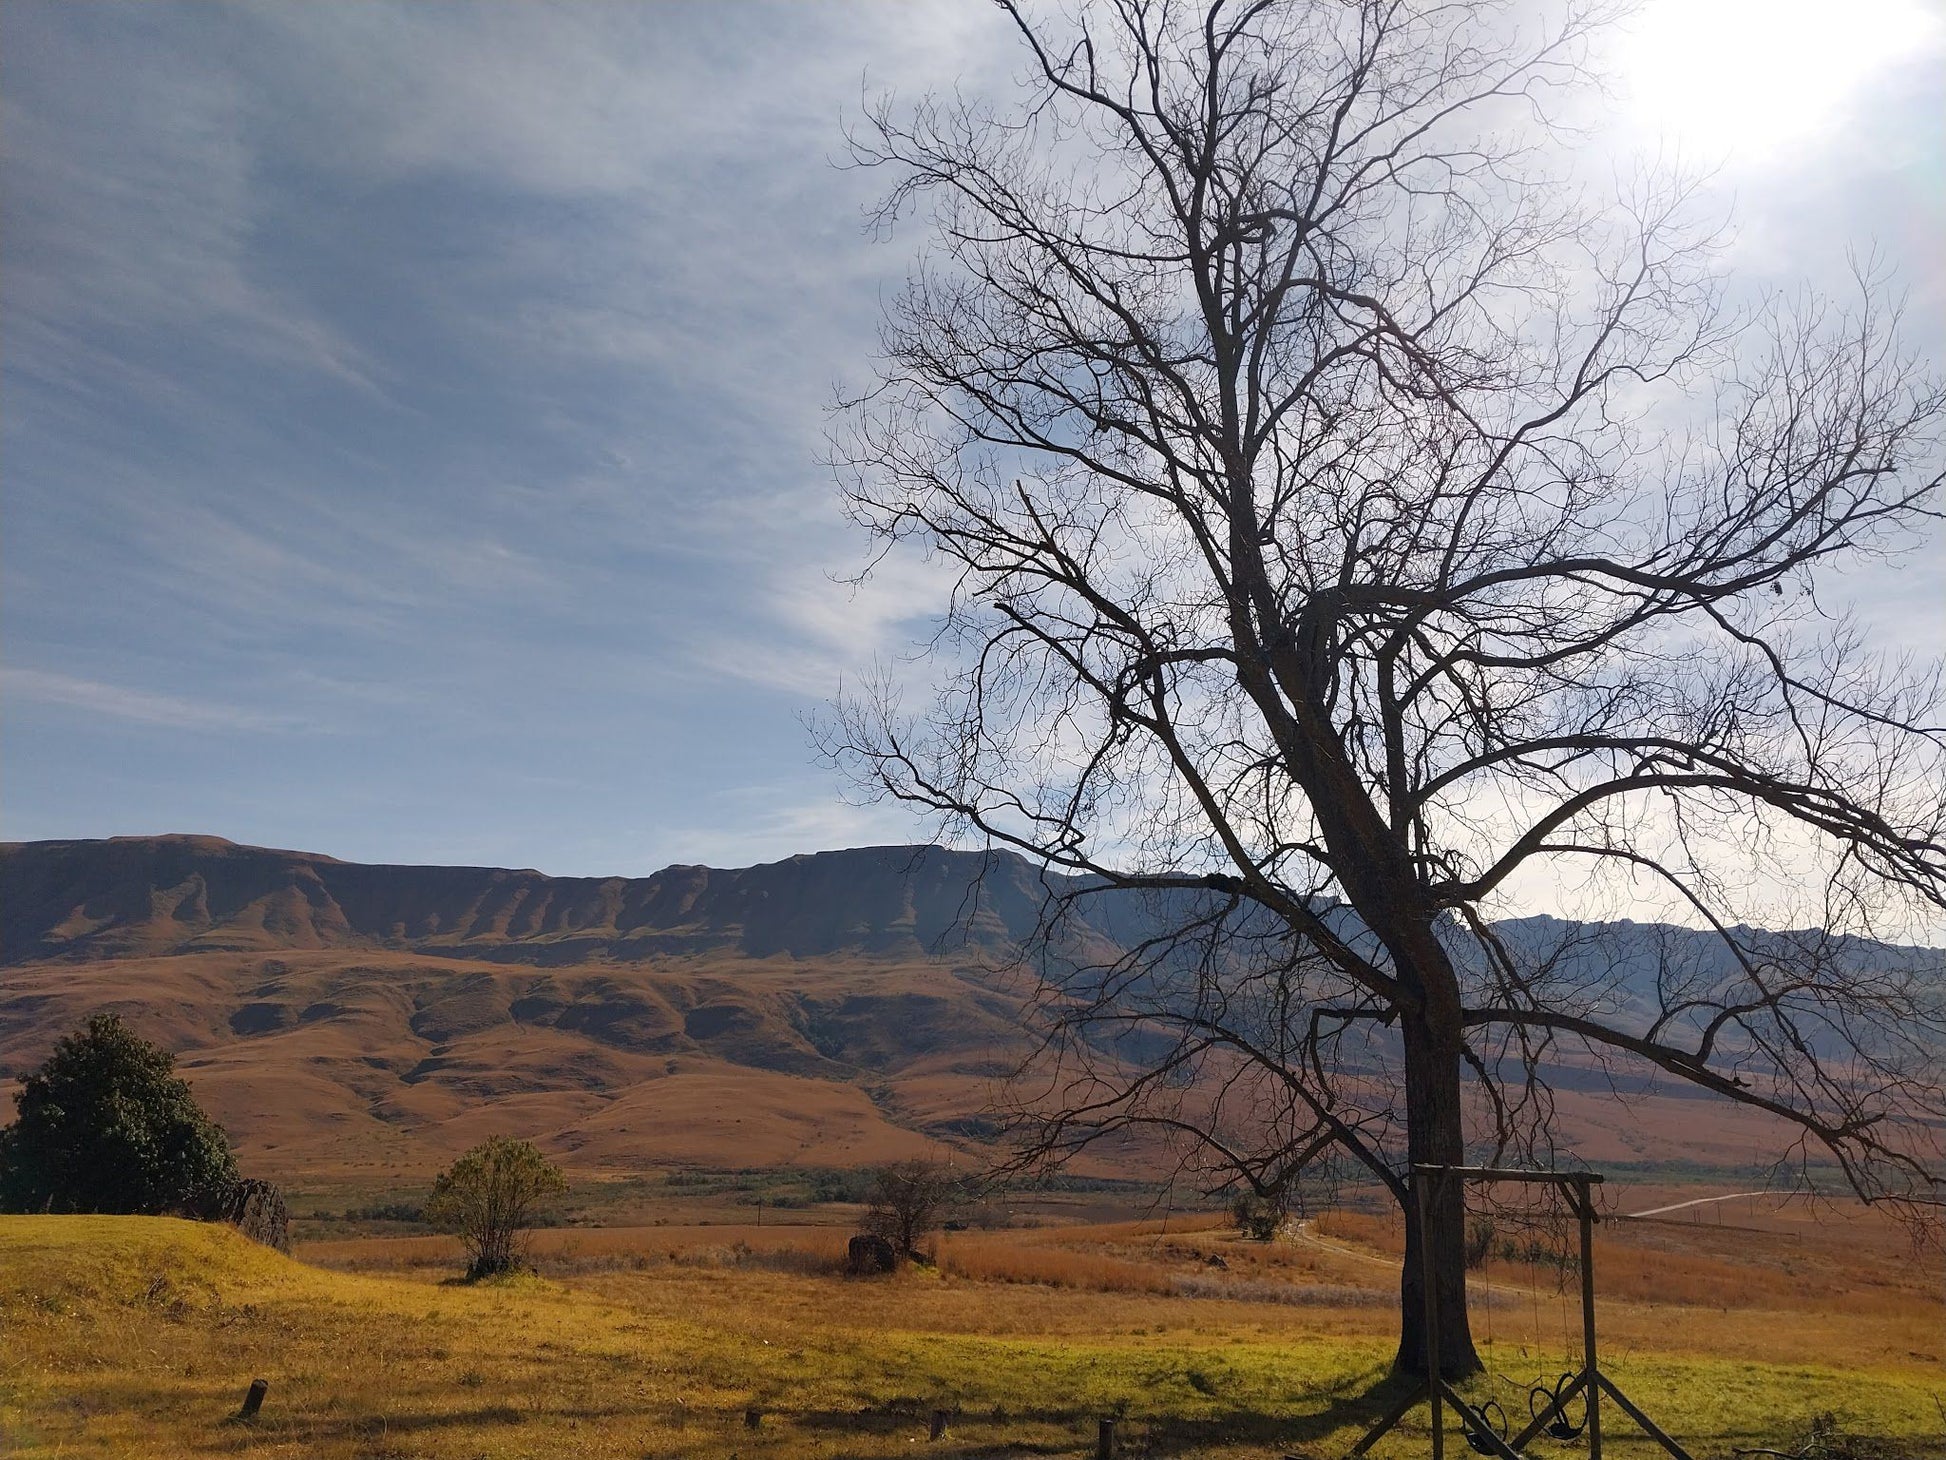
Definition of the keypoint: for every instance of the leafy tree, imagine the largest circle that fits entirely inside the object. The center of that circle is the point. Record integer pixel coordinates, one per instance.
(908, 1201)
(1356, 522)
(106, 1126)
(489, 1197)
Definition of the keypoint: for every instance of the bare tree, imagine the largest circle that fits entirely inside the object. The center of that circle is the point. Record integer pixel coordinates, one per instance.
(1351, 525)
(909, 1199)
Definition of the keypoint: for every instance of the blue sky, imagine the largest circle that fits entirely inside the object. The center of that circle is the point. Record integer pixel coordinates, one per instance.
(411, 416)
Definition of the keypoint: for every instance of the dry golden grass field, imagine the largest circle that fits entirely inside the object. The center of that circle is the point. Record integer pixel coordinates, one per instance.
(137, 1337)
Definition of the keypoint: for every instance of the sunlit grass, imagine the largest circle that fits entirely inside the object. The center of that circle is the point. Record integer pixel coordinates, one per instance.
(132, 1336)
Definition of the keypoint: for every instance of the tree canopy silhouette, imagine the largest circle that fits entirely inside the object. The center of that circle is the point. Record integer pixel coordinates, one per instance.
(1355, 524)
(105, 1125)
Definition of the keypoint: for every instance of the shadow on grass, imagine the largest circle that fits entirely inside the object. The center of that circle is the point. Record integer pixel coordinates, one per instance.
(970, 1433)
(1346, 1408)
(1359, 1398)
(313, 1429)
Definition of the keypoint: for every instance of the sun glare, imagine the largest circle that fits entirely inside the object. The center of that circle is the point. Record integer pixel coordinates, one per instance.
(1745, 79)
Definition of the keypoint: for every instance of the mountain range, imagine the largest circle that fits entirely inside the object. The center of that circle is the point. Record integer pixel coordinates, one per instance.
(136, 896)
(829, 1009)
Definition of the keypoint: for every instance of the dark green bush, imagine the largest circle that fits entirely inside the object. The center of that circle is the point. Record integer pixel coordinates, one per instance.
(105, 1125)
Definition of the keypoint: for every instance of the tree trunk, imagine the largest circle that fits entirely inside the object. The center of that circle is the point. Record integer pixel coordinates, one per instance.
(1435, 1134)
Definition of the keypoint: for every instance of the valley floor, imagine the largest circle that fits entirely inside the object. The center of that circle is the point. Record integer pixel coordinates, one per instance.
(137, 1337)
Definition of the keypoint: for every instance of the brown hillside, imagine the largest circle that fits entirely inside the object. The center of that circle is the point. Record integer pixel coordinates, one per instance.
(832, 1009)
(384, 1059)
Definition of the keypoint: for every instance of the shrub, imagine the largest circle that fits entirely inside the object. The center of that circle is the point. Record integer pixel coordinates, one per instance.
(391, 1211)
(1480, 1233)
(843, 1186)
(490, 1197)
(105, 1125)
(908, 1201)
(1258, 1216)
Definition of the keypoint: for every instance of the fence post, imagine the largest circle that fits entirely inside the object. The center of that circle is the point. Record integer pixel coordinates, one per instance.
(254, 1400)
(1585, 1204)
(938, 1424)
(1423, 1192)
(1105, 1440)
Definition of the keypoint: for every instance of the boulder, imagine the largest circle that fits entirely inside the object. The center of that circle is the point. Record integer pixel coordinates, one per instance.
(868, 1255)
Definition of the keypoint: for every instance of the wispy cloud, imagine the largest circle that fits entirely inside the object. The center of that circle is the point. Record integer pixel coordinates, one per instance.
(764, 823)
(452, 379)
(141, 707)
(817, 626)
(134, 203)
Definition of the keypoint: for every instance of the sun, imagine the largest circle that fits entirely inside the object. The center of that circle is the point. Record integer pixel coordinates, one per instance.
(1750, 79)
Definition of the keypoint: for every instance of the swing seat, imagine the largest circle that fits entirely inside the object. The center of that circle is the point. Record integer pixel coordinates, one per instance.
(1560, 1427)
(1481, 1428)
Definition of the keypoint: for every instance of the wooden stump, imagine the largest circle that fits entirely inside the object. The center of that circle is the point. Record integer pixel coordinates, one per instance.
(254, 1400)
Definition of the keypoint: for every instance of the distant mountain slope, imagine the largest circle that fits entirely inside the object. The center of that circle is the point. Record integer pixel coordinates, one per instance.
(143, 896)
(829, 1009)
(352, 1061)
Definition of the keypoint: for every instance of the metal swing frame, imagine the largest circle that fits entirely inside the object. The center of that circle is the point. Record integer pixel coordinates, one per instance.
(1427, 1181)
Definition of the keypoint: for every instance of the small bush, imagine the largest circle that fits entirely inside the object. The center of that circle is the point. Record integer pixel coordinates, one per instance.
(843, 1186)
(490, 1197)
(391, 1211)
(1480, 1233)
(1257, 1216)
(1533, 1249)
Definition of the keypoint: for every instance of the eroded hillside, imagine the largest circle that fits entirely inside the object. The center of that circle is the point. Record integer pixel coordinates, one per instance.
(386, 1059)
(128, 896)
(833, 1009)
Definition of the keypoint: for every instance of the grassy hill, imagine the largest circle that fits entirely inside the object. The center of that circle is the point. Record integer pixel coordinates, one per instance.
(129, 1336)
